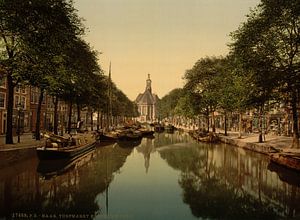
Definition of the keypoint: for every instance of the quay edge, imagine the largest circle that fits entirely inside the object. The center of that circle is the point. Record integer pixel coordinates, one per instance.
(256, 147)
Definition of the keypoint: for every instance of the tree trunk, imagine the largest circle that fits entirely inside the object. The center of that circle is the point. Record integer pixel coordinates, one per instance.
(207, 117)
(86, 119)
(295, 120)
(101, 121)
(55, 126)
(98, 120)
(225, 123)
(10, 107)
(107, 121)
(79, 124)
(92, 123)
(78, 113)
(70, 117)
(260, 136)
(38, 116)
(240, 124)
(213, 121)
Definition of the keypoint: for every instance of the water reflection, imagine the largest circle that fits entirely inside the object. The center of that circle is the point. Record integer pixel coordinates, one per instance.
(220, 181)
(286, 175)
(162, 140)
(168, 177)
(146, 148)
(27, 193)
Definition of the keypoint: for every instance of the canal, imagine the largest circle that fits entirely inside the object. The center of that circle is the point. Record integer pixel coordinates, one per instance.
(167, 177)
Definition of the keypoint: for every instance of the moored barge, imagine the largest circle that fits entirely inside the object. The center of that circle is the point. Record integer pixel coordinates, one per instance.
(59, 147)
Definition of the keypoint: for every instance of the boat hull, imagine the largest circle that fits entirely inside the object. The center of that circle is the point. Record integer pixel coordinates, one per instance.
(129, 144)
(56, 154)
(50, 168)
(147, 133)
(286, 160)
(130, 138)
(159, 128)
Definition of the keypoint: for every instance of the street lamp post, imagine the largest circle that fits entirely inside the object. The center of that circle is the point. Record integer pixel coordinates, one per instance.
(19, 107)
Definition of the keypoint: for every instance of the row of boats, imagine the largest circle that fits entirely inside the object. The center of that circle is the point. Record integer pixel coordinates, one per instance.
(61, 147)
(125, 134)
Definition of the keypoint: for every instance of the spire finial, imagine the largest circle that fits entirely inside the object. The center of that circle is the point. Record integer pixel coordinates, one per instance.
(148, 76)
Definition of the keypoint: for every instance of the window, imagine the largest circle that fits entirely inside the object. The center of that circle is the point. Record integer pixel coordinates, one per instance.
(33, 97)
(23, 102)
(20, 100)
(50, 103)
(17, 101)
(3, 82)
(2, 100)
(44, 101)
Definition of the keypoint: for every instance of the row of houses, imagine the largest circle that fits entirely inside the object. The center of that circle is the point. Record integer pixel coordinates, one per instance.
(25, 109)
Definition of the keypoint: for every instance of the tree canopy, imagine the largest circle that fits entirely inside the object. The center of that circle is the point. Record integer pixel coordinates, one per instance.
(41, 44)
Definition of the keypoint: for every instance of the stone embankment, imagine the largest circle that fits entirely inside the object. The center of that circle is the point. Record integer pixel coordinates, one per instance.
(278, 148)
(26, 142)
(271, 144)
(264, 148)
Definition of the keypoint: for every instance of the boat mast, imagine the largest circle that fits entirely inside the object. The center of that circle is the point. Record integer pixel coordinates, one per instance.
(109, 110)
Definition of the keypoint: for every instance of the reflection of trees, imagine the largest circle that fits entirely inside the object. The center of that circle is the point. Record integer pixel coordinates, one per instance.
(211, 198)
(230, 183)
(17, 183)
(80, 186)
(71, 192)
(163, 139)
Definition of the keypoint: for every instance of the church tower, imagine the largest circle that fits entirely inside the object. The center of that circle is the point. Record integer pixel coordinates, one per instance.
(148, 84)
(147, 103)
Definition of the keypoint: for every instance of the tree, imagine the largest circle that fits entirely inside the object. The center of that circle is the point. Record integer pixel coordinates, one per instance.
(83, 70)
(122, 106)
(34, 34)
(10, 54)
(202, 80)
(268, 43)
(167, 104)
(232, 90)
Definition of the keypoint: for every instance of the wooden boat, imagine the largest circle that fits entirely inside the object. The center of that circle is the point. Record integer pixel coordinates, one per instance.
(158, 128)
(59, 147)
(108, 137)
(130, 136)
(205, 137)
(50, 168)
(129, 143)
(287, 159)
(169, 128)
(145, 132)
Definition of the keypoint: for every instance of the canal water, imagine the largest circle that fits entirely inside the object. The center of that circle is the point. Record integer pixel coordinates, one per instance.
(167, 177)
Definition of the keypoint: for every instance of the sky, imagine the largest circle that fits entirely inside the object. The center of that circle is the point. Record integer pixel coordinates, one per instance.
(162, 38)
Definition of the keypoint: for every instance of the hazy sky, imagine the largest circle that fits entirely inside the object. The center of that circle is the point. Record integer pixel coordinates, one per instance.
(162, 38)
